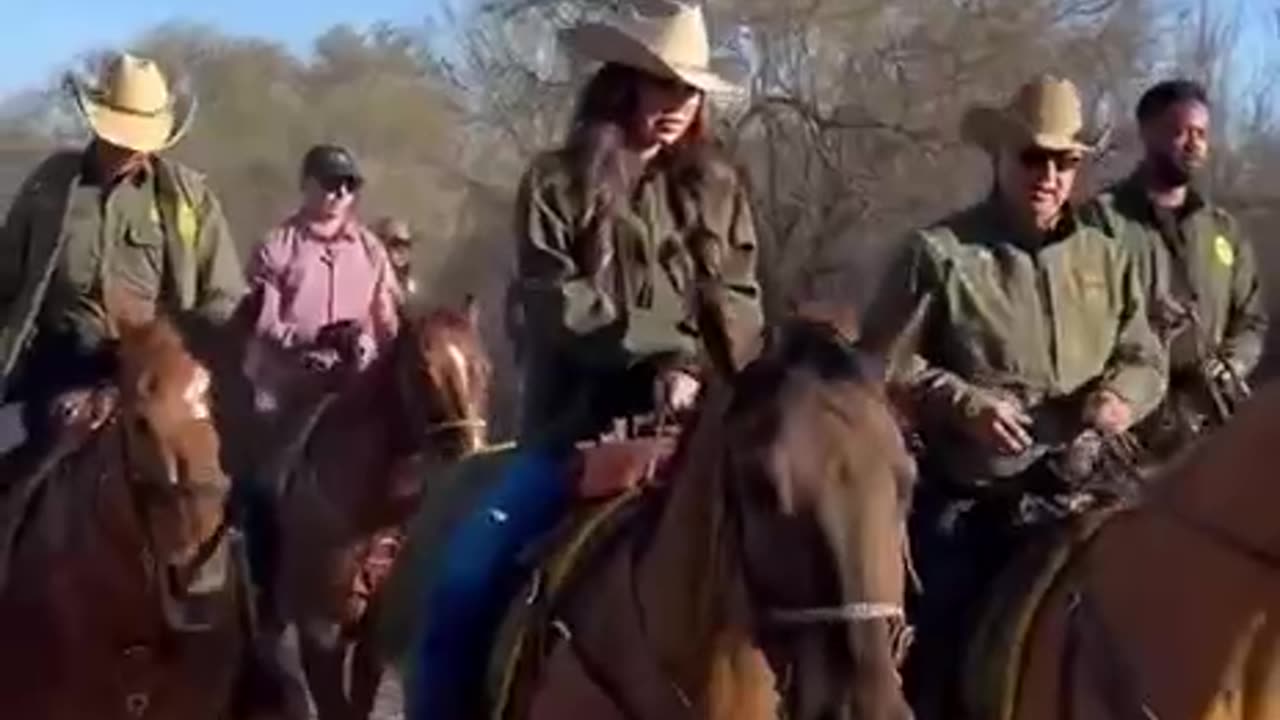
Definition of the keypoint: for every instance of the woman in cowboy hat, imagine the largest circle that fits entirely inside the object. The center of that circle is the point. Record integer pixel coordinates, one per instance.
(610, 228)
(115, 220)
(1032, 335)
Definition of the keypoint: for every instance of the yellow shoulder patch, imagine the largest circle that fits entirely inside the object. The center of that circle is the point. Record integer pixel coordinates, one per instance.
(1223, 251)
(188, 224)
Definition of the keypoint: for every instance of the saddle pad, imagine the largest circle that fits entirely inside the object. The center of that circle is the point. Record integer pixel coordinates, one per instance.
(606, 469)
(994, 659)
(522, 638)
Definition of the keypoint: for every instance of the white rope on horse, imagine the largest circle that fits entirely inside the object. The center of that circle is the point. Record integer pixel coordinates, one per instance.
(847, 613)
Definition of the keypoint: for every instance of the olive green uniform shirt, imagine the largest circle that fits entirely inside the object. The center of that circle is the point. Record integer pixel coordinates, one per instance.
(1003, 314)
(590, 343)
(113, 236)
(160, 235)
(1211, 267)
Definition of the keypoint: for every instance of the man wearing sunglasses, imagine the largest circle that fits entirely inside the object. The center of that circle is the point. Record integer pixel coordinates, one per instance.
(1198, 267)
(325, 288)
(326, 302)
(1030, 335)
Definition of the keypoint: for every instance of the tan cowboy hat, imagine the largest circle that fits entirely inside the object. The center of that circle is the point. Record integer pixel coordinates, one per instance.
(667, 38)
(132, 107)
(1045, 112)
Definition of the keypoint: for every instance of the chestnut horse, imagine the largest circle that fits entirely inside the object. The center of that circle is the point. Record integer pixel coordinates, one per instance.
(763, 571)
(123, 596)
(1172, 610)
(356, 481)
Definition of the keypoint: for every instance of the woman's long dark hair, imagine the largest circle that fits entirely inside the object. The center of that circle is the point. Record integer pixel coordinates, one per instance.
(604, 168)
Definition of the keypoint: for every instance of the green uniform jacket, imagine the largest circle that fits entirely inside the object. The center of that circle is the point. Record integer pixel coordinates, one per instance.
(1037, 325)
(202, 273)
(590, 342)
(1219, 263)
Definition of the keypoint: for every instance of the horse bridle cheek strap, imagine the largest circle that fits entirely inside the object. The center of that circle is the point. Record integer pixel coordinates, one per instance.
(207, 548)
(843, 614)
(416, 424)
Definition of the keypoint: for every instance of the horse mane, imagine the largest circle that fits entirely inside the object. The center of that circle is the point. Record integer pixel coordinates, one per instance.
(445, 318)
(807, 345)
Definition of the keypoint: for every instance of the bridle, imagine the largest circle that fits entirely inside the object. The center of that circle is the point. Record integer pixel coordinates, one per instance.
(409, 391)
(143, 490)
(435, 428)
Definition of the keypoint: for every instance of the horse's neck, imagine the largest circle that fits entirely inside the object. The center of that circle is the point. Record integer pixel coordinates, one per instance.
(684, 582)
(360, 441)
(1226, 484)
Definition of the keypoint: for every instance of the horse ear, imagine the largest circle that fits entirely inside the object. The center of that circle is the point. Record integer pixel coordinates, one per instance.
(471, 311)
(897, 349)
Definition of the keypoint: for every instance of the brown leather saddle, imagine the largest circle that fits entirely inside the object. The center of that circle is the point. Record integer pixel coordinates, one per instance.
(604, 469)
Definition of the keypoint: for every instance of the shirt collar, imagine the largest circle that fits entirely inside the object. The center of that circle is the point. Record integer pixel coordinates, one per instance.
(91, 174)
(1132, 193)
(348, 232)
(997, 217)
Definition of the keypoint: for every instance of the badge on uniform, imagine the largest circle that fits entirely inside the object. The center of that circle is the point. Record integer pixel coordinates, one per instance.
(1223, 250)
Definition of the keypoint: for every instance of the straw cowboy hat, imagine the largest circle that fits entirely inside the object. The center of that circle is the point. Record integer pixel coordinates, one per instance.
(131, 106)
(1045, 112)
(666, 38)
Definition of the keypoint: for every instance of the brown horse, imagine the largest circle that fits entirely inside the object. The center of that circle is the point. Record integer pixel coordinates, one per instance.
(764, 569)
(1172, 610)
(355, 483)
(123, 597)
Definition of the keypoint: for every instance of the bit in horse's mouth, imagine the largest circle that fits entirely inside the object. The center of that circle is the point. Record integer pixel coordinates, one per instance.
(191, 593)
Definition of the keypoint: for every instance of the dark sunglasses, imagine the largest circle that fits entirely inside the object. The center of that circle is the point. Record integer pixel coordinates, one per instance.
(339, 183)
(1034, 158)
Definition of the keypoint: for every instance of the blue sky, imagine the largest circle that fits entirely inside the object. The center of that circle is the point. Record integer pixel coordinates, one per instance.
(41, 36)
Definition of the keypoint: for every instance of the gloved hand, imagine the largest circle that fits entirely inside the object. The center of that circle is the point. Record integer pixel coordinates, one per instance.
(1000, 424)
(348, 340)
(341, 336)
(1108, 412)
(84, 408)
(676, 391)
(1217, 369)
(321, 360)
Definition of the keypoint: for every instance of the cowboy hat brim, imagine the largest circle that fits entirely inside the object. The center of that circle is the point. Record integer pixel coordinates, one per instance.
(991, 129)
(608, 44)
(140, 132)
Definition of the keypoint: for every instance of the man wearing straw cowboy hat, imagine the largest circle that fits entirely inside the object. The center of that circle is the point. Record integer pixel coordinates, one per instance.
(90, 227)
(1031, 335)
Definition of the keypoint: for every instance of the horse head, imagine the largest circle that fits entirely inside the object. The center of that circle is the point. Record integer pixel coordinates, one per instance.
(443, 375)
(820, 478)
(172, 453)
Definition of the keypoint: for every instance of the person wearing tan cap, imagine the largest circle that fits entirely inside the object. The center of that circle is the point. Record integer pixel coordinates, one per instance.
(92, 228)
(1032, 350)
(397, 237)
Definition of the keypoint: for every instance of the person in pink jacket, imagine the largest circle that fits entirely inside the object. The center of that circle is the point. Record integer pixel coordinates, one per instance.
(326, 300)
(325, 288)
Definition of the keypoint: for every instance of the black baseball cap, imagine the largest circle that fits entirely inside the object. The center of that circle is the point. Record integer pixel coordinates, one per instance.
(331, 162)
